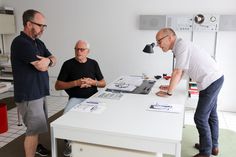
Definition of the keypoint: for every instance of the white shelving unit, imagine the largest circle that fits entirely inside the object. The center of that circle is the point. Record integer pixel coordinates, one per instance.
(6, 72)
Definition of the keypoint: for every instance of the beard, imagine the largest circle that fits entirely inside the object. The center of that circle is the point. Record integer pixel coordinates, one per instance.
(36, 34)
(81, 59)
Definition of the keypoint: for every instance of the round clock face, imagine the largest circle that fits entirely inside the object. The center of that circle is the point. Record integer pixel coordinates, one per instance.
(199, 19)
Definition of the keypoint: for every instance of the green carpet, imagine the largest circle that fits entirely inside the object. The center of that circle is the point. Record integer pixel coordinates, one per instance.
(227, 142)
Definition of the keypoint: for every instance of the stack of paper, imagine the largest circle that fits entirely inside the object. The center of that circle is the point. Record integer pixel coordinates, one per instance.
(90, 106)
(109, 95)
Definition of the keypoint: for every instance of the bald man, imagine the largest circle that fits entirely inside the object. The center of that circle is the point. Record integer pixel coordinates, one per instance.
(202, 68)
(79, 77)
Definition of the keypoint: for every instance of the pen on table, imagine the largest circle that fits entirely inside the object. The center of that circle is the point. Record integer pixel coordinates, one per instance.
(92, 102)
(93, 108)
(163, 105)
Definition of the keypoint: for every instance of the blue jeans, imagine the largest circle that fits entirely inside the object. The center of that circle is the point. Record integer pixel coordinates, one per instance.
(206, 118)
(72, 102)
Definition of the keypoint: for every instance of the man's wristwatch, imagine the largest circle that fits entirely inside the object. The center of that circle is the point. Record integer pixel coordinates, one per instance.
(51, 62)
(169, 94)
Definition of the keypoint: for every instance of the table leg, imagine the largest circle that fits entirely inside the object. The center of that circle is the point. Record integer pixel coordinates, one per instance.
(53, 144)
(178, 150)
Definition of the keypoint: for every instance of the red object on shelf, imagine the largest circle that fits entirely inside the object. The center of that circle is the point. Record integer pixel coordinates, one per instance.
(3, 118)
(194, 92)
(167, 77)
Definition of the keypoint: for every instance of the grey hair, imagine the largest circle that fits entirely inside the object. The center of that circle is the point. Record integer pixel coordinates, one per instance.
(87, 43)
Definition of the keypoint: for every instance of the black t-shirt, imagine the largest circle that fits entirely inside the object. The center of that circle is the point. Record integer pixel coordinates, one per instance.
(29, 83)
(72, 70)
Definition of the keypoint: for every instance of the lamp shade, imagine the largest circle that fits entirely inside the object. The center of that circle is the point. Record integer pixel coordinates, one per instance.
(149, 48)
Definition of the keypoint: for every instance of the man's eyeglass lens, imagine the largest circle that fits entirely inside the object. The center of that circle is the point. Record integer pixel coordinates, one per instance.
(80, 49)
(38, 24)
(159, 41)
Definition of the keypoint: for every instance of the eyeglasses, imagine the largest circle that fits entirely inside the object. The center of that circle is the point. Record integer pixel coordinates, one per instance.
(159, 41)
(80, 49)
(40, 25)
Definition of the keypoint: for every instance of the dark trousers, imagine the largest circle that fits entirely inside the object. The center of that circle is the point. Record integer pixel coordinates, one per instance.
(206, 118)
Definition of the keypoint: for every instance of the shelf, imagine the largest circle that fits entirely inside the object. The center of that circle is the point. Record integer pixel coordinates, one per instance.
(6, 76)
(6, 72)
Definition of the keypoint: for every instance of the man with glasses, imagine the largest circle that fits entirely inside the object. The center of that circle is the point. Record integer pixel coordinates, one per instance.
(30, 61)
(79, 77)
(202, 68)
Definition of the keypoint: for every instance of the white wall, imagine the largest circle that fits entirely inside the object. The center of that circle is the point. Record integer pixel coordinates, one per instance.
(112, 29)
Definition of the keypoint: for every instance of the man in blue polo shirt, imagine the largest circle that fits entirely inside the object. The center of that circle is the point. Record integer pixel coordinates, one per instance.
(30, 62)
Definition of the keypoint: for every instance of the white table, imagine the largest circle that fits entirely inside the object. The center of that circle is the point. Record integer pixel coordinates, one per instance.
(126, 124)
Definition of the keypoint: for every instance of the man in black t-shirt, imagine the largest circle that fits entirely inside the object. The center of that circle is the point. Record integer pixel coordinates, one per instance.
(79, 77)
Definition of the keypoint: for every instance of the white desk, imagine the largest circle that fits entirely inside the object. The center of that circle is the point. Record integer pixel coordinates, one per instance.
(126, 124)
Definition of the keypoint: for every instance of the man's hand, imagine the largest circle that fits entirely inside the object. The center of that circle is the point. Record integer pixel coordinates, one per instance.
(162, 94)
(87, 82)
(85, 86)
(41, 64)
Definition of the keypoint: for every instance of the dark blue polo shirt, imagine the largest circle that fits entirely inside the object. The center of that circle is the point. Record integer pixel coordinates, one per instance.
(29, 83)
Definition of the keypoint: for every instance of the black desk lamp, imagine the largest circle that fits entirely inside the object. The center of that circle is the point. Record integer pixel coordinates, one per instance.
(149, 48)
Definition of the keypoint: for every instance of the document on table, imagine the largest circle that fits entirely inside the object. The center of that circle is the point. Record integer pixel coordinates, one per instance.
(109, 95)
(122, 87)
(162, 107)
(90, 106)
(126, 83)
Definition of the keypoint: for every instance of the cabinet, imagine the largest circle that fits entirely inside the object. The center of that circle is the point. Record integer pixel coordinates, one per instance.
(226, 59)
(7, 24)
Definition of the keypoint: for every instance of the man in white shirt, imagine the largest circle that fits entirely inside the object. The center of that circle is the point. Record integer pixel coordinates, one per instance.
(202, 68)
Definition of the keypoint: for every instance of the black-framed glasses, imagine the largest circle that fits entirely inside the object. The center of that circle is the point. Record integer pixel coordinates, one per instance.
(159, 41)
(80, 49)
(40, 25)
